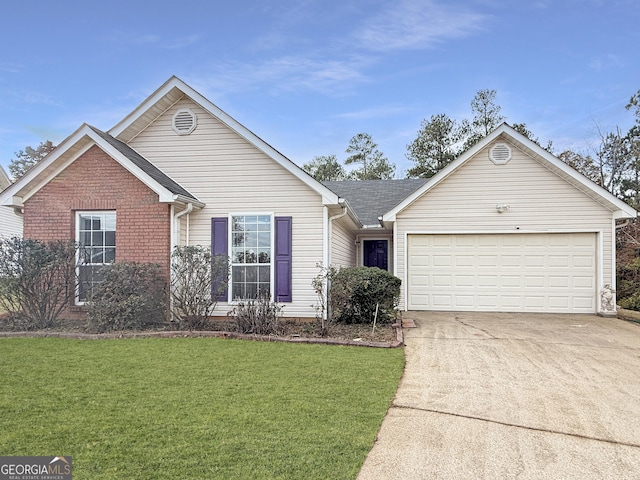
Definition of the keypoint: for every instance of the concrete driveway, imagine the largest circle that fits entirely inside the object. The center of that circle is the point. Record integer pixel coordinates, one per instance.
(502, 396)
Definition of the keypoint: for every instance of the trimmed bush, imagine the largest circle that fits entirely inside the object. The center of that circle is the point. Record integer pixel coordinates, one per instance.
(259, 316)
(197, 280)
(132, 296)
(355, 293)
(37, 280)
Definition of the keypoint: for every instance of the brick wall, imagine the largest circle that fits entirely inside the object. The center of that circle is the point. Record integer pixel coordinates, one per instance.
(97, 182)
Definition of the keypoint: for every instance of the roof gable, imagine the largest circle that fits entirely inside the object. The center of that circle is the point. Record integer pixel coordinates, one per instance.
(507, 134)
(78, 143)
(172, 91)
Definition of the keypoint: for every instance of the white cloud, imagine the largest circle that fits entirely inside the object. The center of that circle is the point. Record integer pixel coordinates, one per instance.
(152, 39)
(332, 77)
(382, 111)
(10, 67)
(605, 62)
(417, 24)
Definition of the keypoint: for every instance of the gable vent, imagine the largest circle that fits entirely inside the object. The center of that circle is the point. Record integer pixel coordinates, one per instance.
(500, 153)
(184, 121)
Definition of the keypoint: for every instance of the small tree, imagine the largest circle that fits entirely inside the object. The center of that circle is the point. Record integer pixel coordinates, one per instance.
(37, 280)
(27, 158)
(321, 285)
(486, 117)
(197, 280)
(325, 168)
(435, 147)
(375, 166)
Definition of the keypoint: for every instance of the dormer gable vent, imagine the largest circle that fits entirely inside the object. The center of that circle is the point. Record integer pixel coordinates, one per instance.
(500, 153)
(184, 121)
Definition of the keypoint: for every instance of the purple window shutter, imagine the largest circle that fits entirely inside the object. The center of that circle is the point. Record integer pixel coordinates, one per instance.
(283, 259)
(219, 247)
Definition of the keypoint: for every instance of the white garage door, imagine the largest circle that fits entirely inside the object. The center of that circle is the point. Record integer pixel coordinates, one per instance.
(502, 273)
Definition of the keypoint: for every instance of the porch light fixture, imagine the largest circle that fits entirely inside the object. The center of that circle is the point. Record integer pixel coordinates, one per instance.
(502, 207)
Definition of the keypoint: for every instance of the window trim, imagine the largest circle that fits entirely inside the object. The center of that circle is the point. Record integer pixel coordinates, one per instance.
(78, 213)
(272, 262)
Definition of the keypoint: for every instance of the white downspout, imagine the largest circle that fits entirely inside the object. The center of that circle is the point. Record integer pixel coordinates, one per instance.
(327, 250)
(176, 218)
(331, 219)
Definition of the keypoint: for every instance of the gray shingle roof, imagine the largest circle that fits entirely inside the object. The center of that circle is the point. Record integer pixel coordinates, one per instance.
(371, 199)
(145, 165)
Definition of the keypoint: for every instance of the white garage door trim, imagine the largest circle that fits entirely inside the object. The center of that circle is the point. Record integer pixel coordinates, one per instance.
(509, 272)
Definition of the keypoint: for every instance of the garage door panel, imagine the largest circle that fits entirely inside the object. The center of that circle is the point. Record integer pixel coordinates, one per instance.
(463, 301)
(442, 281)
(442, 301)
(509, 281)
(583, 302)
(442, 261)
(512, 302)
(529, 261)
(487, 260)
(587, 283)
(584, 261)
(465, 260)
(559, 281)
(505, 272)
(463, 281)
(531, 281)
(561, 261)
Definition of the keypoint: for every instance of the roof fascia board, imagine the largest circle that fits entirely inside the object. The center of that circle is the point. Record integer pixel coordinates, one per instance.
(328, 197)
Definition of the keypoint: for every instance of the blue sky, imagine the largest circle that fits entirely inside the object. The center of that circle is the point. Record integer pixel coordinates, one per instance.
(307, 75)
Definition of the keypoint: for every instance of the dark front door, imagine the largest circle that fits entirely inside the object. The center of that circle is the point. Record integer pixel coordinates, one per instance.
(376, 253)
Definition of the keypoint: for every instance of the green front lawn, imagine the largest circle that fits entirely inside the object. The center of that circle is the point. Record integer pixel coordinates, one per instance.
(195, 407)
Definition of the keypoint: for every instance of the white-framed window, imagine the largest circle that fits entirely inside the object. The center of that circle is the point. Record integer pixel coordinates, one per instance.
(251, 241)
(96, 237)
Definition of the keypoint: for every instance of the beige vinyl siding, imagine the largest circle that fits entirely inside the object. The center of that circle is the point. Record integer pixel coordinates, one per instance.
(538, 201)
(343, 244)
(10, 222)
(231, 176)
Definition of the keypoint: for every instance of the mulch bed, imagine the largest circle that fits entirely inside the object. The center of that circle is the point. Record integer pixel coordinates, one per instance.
(385, 336)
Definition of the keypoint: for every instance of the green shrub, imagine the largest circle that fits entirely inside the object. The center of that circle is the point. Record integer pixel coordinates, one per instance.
(629, 284)
(197, 280)
(132, 296)
(259, 316)
(631, 303)
(356, 292)
(37, 280)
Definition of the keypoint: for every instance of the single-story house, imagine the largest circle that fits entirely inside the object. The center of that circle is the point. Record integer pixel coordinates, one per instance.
(10, 219)
(506, 227)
